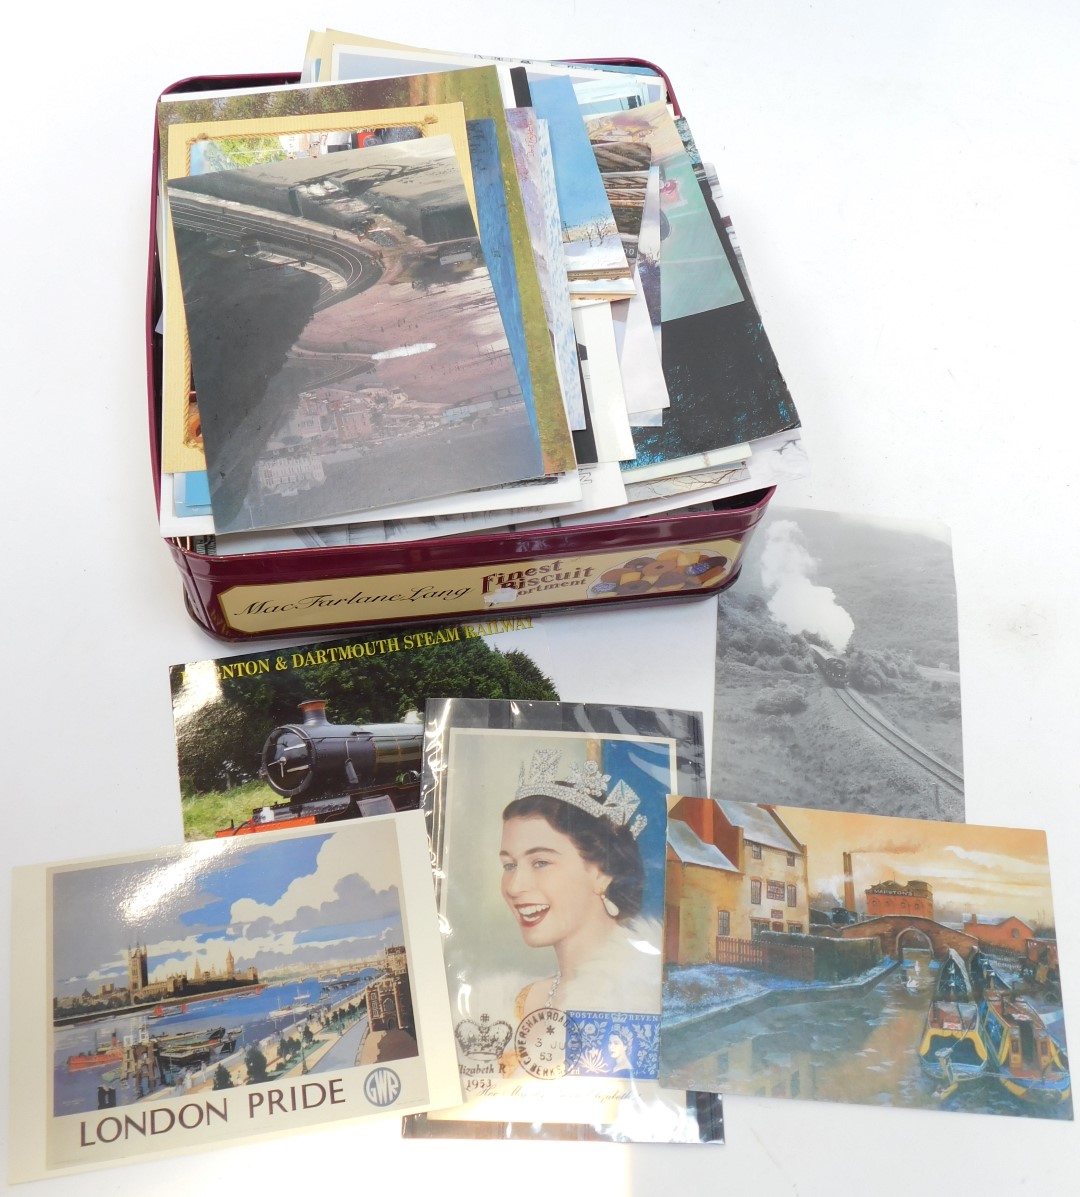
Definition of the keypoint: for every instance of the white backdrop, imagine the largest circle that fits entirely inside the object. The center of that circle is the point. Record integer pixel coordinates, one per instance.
(903, 178)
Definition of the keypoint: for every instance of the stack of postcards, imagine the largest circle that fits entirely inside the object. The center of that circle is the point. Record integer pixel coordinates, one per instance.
(419, 294)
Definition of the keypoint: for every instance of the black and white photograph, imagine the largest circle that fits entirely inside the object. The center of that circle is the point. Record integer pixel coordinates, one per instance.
(838, 669)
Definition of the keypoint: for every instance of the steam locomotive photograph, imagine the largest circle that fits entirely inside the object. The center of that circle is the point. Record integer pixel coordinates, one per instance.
(328, 771)
(323, 732)
(837, 668)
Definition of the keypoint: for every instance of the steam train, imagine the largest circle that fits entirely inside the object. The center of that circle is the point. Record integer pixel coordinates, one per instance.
(329, 771)
(833, 668)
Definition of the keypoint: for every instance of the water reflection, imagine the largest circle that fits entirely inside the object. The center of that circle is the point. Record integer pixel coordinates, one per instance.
(861, 1050)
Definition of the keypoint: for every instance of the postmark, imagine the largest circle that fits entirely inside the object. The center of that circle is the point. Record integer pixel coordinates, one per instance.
(540, 1043)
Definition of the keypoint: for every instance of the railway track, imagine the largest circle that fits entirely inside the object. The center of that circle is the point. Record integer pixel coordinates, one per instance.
(894, 736)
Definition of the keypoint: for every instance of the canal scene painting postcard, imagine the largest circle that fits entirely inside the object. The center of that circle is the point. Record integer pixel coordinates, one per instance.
(838, 668)
(548, 828)
(223, 990)
(319, 732)
(834, 956)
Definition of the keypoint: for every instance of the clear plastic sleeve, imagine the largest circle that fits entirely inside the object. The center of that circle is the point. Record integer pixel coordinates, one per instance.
(548, 833)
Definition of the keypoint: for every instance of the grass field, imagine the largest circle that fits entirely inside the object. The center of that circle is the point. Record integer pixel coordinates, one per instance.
(206, 813)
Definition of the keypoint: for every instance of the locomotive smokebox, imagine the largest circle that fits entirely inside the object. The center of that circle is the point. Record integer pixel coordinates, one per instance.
(317, 758)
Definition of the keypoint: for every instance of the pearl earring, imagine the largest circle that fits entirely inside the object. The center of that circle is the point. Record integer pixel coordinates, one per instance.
(610, 906)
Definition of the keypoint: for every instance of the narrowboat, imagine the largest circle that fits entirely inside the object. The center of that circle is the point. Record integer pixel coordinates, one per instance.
(1030, 1063)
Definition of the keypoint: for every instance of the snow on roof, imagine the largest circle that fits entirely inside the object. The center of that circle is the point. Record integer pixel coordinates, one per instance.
(690, 849)
(758, 825)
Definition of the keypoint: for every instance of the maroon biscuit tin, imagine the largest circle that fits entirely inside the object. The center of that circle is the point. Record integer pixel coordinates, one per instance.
(499, 574)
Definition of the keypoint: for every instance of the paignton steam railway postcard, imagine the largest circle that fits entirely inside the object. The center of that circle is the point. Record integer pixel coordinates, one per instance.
(210, 992)
(548, 832)
(835, 956)
(319, 732)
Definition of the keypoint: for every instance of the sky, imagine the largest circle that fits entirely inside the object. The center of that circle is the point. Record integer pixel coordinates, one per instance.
(272, 902)
(991, 871)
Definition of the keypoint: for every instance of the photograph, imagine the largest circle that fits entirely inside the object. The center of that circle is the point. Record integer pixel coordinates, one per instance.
(846, 957)
(206, 992)
(548, 828)
(838, 668)
(346, 343)
(319, 732)
(203, 147)
(595, 259)
(478, 91)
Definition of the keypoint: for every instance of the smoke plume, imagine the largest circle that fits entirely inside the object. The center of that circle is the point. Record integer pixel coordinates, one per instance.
(797, 603)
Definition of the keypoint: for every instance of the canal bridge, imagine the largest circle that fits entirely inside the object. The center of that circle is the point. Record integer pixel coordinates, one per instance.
(891, 929)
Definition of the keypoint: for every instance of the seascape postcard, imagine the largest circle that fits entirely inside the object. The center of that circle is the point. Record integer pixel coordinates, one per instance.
(346, 342)
(838, 956)
(837, 668)
(209, 992)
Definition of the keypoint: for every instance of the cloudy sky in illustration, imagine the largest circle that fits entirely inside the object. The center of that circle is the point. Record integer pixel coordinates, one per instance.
(991, 871)
(315, 899)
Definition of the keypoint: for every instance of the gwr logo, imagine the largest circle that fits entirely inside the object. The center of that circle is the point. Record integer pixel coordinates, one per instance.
(382, 1087)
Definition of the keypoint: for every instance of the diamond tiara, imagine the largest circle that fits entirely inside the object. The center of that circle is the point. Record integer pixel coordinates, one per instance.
(584, 787)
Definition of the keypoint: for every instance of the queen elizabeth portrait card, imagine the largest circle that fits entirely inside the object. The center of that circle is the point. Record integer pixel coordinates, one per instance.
(548, 825)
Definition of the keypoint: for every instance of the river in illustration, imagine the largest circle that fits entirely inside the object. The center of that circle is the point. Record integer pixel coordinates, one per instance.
(247, 1019)
(862, 1049)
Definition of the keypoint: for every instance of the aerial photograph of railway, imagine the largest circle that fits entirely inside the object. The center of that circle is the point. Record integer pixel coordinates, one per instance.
(838, 668)
(847, 957)
(346, 342)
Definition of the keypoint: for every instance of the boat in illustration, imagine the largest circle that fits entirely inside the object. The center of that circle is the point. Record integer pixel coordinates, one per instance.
(952, 1048)
(110, 1052)
(1030, 1062)
(194, 1047)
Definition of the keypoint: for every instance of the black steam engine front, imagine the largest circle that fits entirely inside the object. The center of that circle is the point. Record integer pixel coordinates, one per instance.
(328, 771)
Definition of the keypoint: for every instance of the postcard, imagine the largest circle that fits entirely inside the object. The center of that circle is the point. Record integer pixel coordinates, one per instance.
(834, 956)
(568, 488)
(202, 147)
(536, 174)
(722, 377)
(547, 825)
(346, 342)
(694, 272)
(478, 90)
(624, 171)
(319, 732)
(644, 386)
(601, 487)
(837, 668)
(206, 993)
(602, 379)
(773, 459)
(595, 258)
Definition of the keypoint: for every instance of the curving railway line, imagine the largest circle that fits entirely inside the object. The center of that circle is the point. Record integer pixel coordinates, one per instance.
(878, 724)
(343, 269)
